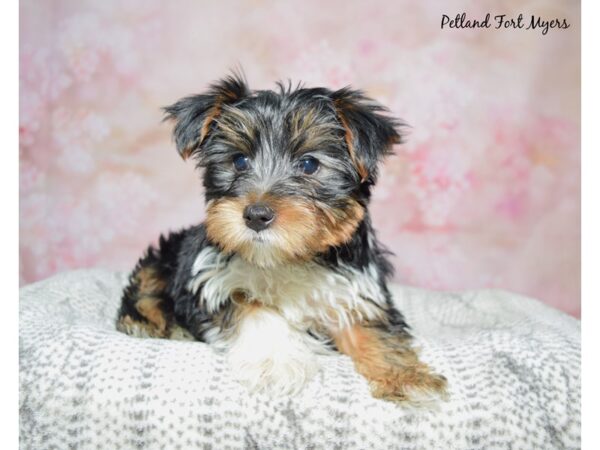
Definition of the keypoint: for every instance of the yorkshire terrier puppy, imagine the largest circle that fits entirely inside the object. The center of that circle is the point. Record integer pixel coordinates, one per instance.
(286, 265)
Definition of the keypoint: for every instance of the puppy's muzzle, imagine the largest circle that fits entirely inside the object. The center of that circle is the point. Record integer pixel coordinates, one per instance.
(258, 216)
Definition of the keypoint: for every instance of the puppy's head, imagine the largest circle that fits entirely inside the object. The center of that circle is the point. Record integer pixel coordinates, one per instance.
(287, 173)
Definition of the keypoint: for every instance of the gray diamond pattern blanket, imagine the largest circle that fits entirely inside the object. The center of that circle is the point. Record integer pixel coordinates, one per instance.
(513, 367)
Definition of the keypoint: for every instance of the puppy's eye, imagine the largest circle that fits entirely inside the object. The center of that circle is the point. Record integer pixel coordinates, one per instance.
(240, 162)
(309, 165)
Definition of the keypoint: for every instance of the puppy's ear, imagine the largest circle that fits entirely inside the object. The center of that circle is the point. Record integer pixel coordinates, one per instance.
(369, 133)
(195, 115)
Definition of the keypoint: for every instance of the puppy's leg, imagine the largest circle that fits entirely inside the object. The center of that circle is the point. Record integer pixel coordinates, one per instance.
(266, 353)
(386, 359)
(146, 310)
(146, 306)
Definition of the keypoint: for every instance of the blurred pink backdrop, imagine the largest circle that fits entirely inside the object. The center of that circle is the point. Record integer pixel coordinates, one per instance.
(484, 194)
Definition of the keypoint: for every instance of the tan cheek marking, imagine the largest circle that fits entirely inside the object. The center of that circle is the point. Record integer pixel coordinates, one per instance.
(225, 226)
(338, 226)
(303, 228)
(310, 229)
(224, 222)
(297, 224)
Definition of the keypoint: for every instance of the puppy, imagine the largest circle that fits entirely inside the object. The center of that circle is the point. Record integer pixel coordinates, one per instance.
(286, 265)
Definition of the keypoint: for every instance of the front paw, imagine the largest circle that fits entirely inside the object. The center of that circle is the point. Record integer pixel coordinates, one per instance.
(414, 385)
(274, 375)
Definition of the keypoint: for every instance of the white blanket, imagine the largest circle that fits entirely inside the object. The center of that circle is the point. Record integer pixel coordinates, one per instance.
(513, 367)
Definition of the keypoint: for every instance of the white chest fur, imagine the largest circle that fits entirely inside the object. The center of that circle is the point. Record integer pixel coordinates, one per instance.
(305, 294)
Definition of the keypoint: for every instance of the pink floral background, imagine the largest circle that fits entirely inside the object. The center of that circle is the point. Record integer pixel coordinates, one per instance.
(484, 194)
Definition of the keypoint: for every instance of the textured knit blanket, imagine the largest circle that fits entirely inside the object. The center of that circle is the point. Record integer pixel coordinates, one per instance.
(513, 367)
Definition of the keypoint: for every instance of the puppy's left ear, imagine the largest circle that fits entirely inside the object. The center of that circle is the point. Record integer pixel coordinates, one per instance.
(195, 116)
(369, 133)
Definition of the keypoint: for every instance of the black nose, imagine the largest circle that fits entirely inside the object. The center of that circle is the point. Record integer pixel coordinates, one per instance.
(258, 216)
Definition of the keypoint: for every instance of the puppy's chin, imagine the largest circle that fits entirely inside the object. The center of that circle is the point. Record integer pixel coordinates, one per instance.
(265, 249)
(300, 231)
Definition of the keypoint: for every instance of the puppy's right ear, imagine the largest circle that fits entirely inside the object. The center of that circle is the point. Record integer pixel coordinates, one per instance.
(195, 115)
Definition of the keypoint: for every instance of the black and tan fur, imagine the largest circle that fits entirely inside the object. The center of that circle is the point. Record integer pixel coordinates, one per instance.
(317, 275)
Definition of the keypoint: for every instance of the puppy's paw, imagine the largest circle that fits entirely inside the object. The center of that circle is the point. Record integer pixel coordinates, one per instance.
(413, 385)
(268, 355)
(274, 376)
